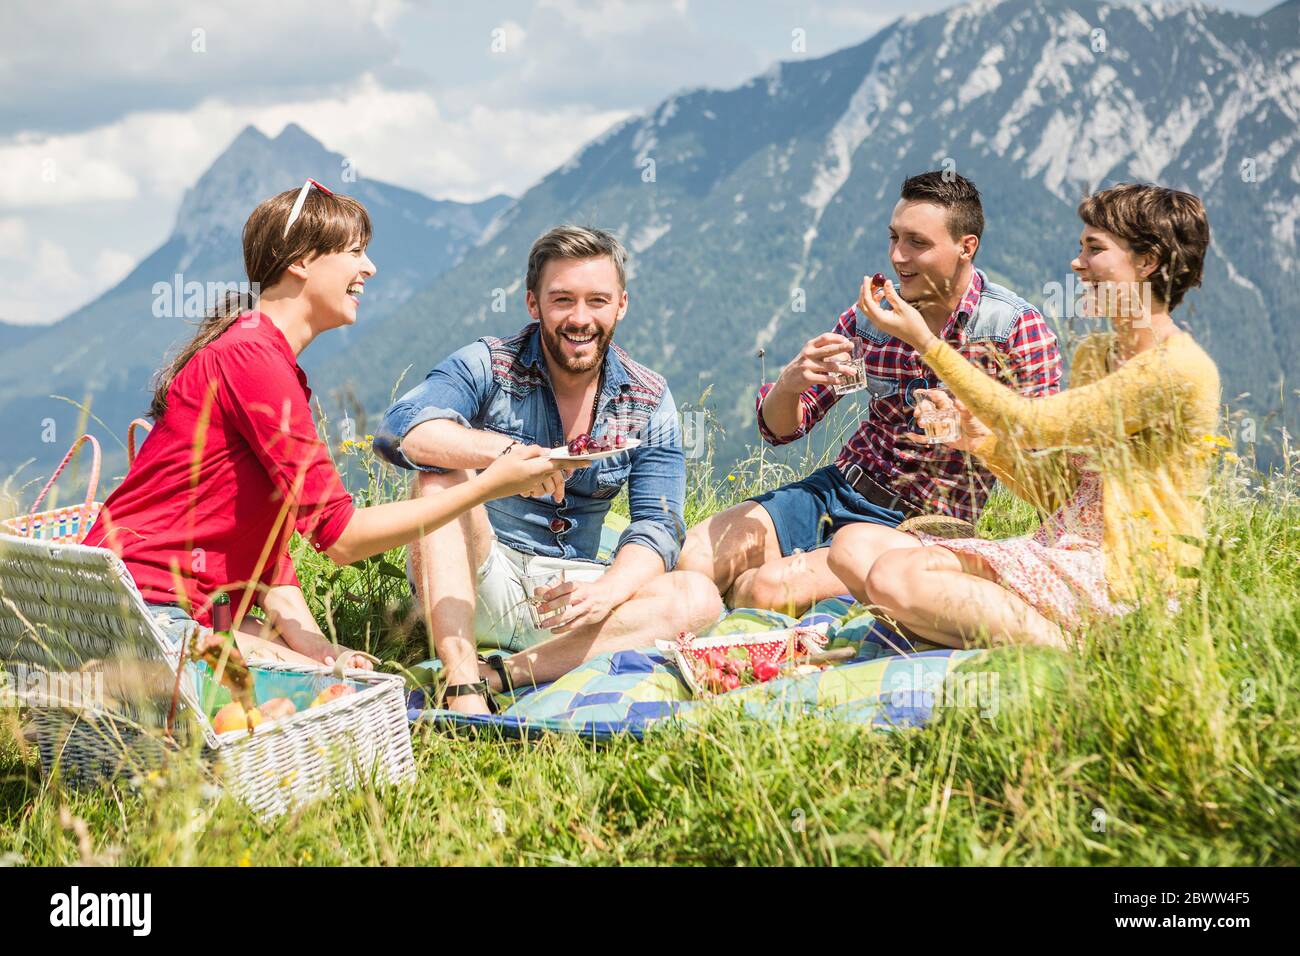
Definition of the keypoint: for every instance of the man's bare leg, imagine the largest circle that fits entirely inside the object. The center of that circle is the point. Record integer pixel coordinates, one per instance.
(665, 606)
(739, 549)
(729, 544)
(789, 585)
(444, 566)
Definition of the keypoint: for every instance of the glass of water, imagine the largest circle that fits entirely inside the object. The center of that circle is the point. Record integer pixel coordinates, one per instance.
(852, 376)
(536, 585)
(940, 426)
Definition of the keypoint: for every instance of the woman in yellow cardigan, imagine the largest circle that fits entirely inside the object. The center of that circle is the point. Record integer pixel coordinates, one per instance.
(1118, 461)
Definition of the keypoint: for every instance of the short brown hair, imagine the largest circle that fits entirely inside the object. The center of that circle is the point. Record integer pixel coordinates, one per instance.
(575, 242)
(955, 193)
(1168, 223)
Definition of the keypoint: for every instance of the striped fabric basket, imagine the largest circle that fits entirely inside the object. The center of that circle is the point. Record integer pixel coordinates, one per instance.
(62, 525)
(70, 616)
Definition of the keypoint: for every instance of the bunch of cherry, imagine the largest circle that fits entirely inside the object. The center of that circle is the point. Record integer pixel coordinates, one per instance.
(720, 672)
(584, 444)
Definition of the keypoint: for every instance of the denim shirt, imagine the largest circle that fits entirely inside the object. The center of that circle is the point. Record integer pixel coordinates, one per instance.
(503, 386)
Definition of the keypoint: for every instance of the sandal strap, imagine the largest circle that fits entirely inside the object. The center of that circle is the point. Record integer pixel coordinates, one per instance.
(498, 663)
(477, 689)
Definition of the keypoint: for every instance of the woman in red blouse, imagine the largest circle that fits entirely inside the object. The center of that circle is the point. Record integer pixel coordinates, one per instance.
(234, 464)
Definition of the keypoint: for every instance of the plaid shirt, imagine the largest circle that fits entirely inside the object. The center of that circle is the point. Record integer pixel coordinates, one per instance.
(933, 478)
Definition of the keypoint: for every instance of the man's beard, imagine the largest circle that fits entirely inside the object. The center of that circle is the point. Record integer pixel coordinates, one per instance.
(553, 342)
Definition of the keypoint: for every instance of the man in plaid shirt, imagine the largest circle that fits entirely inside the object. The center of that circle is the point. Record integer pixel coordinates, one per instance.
(771, 551)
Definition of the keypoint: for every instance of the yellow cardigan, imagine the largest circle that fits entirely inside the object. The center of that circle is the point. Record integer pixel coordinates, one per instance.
(1147, 427)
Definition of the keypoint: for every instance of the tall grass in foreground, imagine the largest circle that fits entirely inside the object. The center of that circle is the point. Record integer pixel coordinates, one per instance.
(1165, 739)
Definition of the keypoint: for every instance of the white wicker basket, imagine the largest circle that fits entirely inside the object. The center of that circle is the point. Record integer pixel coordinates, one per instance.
(63, 606)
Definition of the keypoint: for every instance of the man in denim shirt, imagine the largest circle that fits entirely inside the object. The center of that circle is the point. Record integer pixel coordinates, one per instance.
(556, 379)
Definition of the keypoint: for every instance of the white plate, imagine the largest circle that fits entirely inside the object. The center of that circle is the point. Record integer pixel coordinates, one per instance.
(563, 454)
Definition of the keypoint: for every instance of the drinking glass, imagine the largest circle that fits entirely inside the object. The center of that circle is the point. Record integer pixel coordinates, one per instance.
(536, 582)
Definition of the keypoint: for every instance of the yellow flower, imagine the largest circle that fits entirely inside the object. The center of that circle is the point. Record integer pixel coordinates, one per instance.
(247, 858)
(370, 438)
(1143, 514)
(1231, 457)
(731, 477)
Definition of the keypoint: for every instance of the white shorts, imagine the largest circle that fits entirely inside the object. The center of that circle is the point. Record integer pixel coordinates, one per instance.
(501, 617)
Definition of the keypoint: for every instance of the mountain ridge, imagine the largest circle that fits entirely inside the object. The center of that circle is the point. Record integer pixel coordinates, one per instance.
(752, 212)
(778, 190)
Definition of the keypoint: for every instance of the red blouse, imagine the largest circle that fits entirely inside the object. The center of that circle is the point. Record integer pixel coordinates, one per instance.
(225, 477)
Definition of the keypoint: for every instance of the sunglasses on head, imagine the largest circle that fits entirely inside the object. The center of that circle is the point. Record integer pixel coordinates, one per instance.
(296, 211)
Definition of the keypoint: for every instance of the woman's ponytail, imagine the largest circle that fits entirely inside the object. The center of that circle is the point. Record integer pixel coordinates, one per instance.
(223, 316)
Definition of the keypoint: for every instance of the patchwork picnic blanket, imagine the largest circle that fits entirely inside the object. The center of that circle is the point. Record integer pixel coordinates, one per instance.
(888, 683)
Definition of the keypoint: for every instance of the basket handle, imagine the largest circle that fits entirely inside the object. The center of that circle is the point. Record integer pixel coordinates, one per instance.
(96, 456)
(130, 437)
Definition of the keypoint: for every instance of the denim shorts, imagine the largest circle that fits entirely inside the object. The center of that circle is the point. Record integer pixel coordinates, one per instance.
(173, 620)
(501, 617)
(807, 513)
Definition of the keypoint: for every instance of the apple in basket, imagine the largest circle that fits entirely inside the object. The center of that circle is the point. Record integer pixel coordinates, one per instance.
(333, 692)
(230, 717)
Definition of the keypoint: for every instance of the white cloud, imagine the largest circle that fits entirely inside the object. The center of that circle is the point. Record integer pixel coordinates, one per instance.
(111, 267)
(59, 170)
(79, 64)
(400, 136)
(13, 237)
(44, 284)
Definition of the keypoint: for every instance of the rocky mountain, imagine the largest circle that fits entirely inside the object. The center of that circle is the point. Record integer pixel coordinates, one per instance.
(752, 213)
(107, 351)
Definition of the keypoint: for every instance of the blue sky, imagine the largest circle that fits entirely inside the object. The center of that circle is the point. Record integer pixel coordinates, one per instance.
(111, 109)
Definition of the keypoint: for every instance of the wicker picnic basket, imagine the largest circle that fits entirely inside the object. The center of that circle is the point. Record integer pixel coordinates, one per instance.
(68, 609)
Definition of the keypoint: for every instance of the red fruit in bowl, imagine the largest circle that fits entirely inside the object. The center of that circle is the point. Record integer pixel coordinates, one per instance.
(730, 681)
(734, 667)
(715, 659)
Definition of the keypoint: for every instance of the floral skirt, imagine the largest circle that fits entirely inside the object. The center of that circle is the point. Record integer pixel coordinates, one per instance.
(1058, 570)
